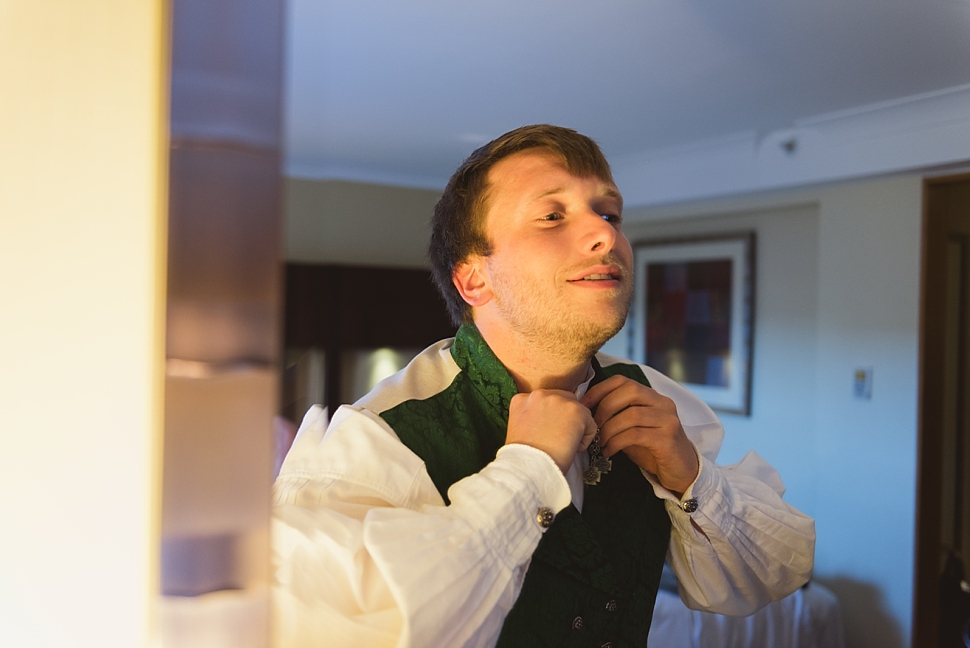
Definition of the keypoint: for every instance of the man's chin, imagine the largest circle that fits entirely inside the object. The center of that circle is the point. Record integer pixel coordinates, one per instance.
(608, 334)
(589, 339)
(615, 319)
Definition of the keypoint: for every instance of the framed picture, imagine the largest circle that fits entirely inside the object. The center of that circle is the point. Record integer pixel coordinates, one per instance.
(693, 315)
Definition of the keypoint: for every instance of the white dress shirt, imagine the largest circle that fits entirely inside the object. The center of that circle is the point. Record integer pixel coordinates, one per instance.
(366, 553)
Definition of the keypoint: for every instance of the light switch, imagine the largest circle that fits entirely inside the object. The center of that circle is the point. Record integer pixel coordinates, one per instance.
(862, 384)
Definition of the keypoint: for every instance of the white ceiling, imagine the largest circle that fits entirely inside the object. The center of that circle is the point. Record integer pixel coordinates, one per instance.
(400, 91)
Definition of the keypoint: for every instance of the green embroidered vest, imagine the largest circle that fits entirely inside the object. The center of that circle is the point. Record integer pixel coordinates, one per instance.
(594, 577)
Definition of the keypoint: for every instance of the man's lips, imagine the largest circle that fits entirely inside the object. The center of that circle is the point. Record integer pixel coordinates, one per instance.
(599, 273)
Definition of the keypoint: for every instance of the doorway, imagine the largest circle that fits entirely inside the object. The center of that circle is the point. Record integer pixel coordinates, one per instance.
(942, 593)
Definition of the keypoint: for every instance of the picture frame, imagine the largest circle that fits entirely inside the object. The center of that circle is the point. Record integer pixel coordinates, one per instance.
(693, 315)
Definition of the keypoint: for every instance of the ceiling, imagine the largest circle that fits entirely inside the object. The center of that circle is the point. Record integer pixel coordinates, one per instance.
(400, 91)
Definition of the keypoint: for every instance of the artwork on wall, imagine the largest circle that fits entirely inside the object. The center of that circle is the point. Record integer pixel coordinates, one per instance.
(693, 315)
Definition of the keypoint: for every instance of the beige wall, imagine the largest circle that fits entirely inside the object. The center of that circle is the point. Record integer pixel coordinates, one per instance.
(786, 313)
(353, 223)
(82, 170)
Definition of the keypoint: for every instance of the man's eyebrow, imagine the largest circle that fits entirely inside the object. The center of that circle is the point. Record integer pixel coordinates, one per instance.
(609, 192)
(613, 192)
(549, 192)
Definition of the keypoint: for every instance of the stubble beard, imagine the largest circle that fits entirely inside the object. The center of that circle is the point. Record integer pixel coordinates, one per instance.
(551, 326)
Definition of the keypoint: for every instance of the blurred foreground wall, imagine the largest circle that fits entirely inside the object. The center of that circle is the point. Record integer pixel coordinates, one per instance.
(83, 169)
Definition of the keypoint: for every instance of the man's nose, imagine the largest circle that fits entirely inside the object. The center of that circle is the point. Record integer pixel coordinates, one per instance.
(600, 234)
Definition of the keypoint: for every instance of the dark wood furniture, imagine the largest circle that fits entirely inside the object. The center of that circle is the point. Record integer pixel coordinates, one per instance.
(337, 307)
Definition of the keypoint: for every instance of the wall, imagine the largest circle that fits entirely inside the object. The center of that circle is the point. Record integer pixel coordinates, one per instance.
(837, 288)
(334, 221)
(82, 189)
(869, 268)
(783, 372)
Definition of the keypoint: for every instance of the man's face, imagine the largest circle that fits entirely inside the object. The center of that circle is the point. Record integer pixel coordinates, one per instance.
(560, 271)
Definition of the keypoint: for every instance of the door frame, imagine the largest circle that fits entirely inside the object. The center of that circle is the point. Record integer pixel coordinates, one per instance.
(932, 350)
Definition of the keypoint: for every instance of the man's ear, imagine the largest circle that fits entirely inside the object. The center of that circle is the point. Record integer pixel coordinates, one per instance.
(471, 281)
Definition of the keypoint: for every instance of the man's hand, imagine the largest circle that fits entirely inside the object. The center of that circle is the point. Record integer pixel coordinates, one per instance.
(640, 422)
(553, 421)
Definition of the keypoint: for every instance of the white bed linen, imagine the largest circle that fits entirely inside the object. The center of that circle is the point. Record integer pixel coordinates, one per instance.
(808, 618)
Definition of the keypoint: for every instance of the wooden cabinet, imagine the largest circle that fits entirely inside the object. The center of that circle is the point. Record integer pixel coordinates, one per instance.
(337, 308)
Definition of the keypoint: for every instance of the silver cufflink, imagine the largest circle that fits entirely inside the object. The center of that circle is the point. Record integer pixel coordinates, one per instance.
(545, 516)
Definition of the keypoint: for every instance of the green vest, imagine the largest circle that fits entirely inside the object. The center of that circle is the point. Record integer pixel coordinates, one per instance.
(593, 578)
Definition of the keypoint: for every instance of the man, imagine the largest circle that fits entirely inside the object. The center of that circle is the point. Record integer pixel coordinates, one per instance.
(511, 487)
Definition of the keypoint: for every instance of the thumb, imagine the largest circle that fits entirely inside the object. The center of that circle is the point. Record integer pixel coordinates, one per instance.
(588, 434)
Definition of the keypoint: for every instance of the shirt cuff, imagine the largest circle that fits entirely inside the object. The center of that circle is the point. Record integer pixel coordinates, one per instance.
(701, 483)
(551, 486)
(699, 488)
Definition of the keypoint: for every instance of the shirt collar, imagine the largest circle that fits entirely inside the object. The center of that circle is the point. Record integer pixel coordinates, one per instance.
(483, 368)
(489, 375)
(584, 387)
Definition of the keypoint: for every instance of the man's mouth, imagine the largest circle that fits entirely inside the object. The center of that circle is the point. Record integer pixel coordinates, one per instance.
(600, 273)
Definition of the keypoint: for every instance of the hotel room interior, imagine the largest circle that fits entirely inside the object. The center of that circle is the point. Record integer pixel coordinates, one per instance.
(214, 214)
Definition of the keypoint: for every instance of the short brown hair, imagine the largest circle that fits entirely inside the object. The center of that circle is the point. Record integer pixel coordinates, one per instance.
(458, 223)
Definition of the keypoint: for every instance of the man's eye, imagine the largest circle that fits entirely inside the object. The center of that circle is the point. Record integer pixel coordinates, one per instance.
(552, 217)
(611, 218)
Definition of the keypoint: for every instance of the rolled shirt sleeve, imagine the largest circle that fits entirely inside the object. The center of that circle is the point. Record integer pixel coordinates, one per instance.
(367, 553)
(743, 546)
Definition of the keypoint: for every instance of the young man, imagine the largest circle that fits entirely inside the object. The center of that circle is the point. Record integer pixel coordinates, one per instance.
(511, 486)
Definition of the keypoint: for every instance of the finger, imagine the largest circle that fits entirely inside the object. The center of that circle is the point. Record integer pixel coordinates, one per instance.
(537, 393)
(675, 464)
(628, 395)
(610, 396)
(595, 394)
(628, 418)
(628, 438)
(588, 434)
(565, 394)
(641, 416)
(658, 432)
(632, 442)
(647, 400)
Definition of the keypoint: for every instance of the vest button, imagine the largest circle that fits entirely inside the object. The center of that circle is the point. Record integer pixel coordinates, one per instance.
(578, 623)
(611, 606)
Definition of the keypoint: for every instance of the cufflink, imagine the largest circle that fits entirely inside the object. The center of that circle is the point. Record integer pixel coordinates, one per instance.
(545, 516)
(689, 506)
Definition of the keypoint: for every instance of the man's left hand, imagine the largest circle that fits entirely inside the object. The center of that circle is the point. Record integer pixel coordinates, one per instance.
(637, 420)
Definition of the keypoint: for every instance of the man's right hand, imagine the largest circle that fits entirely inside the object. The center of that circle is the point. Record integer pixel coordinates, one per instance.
(553, 421)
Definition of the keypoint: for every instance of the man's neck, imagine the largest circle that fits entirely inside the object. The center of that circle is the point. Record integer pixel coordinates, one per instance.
(534, 366)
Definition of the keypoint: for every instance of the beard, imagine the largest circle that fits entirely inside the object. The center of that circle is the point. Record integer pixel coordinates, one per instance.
(552, 324)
